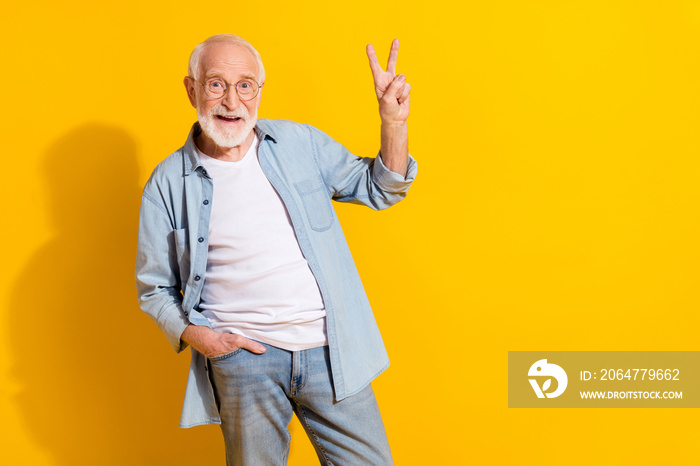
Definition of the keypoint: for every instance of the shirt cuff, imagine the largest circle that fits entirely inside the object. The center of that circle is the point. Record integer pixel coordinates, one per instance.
(173, 327)
(391, 181)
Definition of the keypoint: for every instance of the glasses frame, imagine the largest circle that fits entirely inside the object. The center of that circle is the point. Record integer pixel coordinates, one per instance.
(228, 86)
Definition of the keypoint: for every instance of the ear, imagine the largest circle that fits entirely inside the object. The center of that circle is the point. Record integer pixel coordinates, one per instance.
(189, 86)
(260, 93)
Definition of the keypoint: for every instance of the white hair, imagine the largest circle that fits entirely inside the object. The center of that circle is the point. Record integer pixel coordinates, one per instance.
(193, 67)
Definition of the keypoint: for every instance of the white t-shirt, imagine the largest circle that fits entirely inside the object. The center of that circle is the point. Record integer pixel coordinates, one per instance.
(258, 283)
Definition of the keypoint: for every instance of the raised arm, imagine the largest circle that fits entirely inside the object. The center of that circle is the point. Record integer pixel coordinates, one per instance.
(393, 94)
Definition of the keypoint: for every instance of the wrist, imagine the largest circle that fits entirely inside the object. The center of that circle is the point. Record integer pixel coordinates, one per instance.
(394, 124)
(196, 333)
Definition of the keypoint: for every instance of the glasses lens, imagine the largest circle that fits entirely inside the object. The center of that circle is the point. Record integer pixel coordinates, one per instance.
(247, 89)
(215, 87)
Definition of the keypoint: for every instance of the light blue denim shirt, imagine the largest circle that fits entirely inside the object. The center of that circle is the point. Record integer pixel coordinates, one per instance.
(308, 169)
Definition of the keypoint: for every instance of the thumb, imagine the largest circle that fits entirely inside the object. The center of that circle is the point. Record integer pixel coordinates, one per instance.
(394, 90)
(252, 346)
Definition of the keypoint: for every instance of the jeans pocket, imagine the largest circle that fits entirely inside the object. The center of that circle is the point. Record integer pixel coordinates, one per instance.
(221, 357)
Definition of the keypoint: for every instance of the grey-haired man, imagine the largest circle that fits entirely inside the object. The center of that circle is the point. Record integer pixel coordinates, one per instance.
(241, 256)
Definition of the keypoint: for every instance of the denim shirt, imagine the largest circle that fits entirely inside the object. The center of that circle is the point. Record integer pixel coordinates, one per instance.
(307, 169)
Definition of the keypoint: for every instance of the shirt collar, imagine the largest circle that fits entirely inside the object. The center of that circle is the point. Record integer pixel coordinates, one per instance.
(191, 159)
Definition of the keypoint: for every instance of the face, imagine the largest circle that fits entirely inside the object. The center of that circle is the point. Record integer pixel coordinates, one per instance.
(228, 121)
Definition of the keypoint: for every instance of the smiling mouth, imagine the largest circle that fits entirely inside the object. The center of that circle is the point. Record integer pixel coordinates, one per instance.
(228, 119)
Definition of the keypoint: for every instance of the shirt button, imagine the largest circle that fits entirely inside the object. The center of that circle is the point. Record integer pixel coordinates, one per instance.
(201, 240)
(197, 278)
(204, 172)
(187, 313)
(206, 202)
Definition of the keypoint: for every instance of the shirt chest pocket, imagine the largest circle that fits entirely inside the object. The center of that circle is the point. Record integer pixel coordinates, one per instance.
(317, 203)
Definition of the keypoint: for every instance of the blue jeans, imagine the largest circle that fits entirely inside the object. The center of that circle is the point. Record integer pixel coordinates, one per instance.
(257, 393)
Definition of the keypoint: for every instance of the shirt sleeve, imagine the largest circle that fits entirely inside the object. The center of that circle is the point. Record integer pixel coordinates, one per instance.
(360, 180)
(157, 274)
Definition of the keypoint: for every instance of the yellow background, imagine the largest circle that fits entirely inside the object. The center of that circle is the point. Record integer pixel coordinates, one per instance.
(556, 207)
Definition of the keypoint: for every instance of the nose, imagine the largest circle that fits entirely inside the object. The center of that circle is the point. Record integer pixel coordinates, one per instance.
(231, 99)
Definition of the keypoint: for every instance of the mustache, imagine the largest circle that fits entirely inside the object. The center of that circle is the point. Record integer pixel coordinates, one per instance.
(240, 112)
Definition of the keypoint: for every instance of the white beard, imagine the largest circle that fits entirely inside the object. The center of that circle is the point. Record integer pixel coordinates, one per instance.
(233, 137)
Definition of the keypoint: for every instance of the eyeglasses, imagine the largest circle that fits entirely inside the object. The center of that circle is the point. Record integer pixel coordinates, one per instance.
(216, 88)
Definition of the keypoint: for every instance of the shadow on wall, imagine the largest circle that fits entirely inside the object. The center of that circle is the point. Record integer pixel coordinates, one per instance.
(100, 384)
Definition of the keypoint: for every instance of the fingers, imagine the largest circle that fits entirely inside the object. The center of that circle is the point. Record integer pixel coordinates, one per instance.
(373, 62)
(395, 89)
(393, 57)
(250, 345)
(391, 64)
(404, 93)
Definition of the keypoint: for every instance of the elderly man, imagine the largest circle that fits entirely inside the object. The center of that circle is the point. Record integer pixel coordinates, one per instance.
(241, 257)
